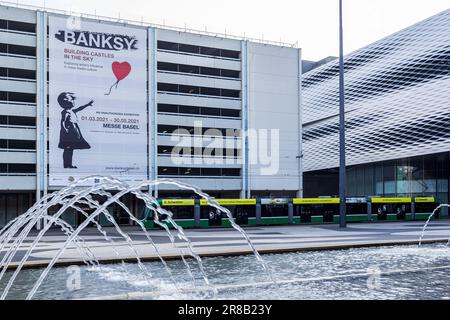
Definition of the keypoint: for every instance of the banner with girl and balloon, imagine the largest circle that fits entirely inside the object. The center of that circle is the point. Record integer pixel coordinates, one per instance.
(97, 101)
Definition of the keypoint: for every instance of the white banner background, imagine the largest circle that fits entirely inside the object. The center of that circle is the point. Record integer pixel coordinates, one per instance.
(115, 125)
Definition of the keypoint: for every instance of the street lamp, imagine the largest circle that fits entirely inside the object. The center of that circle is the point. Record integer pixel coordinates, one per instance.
(342, 173)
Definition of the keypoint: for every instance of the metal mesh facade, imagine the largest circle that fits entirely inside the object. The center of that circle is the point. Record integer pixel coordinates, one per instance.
(397, 94)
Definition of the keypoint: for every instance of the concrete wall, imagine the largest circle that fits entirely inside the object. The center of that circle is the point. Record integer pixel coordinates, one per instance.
(274, 105)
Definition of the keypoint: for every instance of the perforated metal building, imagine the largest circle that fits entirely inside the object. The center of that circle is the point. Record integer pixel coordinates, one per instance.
(397, 94)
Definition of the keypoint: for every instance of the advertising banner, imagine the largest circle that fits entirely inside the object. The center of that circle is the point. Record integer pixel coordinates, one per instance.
(97, 101)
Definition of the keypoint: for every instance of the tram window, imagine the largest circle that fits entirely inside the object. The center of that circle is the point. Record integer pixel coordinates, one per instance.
(274, 210)
(356, 208)
(425, 207)
(181, 212)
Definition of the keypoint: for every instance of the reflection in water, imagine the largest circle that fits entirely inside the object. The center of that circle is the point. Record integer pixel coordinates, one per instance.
(405, 272)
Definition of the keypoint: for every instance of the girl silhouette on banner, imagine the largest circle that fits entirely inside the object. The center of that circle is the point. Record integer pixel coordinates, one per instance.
(70, 137)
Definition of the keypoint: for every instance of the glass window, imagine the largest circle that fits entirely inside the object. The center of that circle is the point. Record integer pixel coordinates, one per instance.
(165, 149)
(230, 93)
(231, 172)
(165, 45)
(442, 165)
(188, 69)
(230, 54)
(351, 181)
(230, 113)
(210, 91)
(167, 171)
(359, 180)
(211, 111)
(21, 73)
(165, 66)
(22, 50)
(368, 180)
(3, 47)
(162, 128)
(22, 97)
(189, 89)
(188, 48)
(403, 172)
(190, 171)
(210, 51)
(210, 71)
(389, 178)
(21, 26)
(417, 185)
(230, 73)
(189, 109)
(212, 172)
(429, 173)
(173, 108)
(22, 121)
(21, 168)
(170, 87)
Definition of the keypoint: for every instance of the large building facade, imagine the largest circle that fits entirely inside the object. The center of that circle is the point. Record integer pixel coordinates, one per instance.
(198, 85)
(397, 95)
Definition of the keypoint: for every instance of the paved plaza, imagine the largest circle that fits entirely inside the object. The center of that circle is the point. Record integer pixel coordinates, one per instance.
(221, 241)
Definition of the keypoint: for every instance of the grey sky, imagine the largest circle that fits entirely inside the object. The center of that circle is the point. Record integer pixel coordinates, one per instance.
(313, 23)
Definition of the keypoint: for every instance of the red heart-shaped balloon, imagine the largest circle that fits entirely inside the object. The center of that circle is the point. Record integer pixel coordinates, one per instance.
(121, 69)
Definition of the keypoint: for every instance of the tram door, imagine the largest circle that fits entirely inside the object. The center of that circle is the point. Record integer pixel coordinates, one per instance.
(215, 217)
(426, 205)
(380, 210)
(356, 206)
(386, 208)
(241, 215)
(325, 208)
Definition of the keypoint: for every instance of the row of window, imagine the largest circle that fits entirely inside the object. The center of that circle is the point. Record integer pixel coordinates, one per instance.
(17, 168)
(16, 49)
(17, 121)
(190, 151)
(17, 73)
(192, 49)
(31, 51)
(17, 26)
(169, 129)
(186, 68)
(207, 91)
(17, 144)
(206, 111)
(11, 96)
(207, 172)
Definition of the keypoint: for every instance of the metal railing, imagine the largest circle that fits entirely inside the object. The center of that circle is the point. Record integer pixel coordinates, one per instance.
(147, 24)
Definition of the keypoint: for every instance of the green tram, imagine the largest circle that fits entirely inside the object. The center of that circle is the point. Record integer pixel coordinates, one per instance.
(197, 213)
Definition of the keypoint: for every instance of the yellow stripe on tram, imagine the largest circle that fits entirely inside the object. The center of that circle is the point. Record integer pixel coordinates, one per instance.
(231, 202)
(424, 199)
(391, 200)
(178, 202)
(316, 201)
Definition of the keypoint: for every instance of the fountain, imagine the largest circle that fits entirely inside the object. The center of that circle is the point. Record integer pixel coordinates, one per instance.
(428, 222)
(331, 274)
(13, 235)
